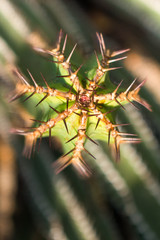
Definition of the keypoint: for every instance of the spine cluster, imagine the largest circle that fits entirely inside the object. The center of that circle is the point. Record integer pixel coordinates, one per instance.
(86, 103)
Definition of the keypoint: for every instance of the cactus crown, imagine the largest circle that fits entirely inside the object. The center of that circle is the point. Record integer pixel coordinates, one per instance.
(84, 110)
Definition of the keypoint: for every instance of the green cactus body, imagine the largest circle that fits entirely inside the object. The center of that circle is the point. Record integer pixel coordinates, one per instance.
(79, 106)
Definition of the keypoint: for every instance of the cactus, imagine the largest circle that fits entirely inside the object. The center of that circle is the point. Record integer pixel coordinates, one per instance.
(84, 109)
(118, 200)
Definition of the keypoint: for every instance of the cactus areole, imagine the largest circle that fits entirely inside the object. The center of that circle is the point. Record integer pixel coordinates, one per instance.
(82, 112)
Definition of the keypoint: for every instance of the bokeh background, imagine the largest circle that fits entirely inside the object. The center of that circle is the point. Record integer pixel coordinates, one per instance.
(120, 201)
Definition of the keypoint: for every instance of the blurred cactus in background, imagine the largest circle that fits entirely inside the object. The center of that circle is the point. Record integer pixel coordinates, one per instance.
(119, 200)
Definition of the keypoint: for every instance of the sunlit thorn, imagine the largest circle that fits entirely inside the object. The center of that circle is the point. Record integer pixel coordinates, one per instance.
(88, 79)
(59, 39)
(103, 44)
(115, 53)
(16, 131)
(100, 44)
(69, 75)
(41, 50)
(115, 91)
(70, 89)
(117, 59)
(131, 140)
(70, 55)
(36, 120)
(63, 76)
(88, 153)
(23, 131)
(133, 104)
(144, 104)
(34, 145)
(99, 86)
(30, 128)
(98, 36)
(140, 85)
(98, 62)
(126, 134)
(111, 69)
(72, 138)
(119, 103)
(28, 97)
(56, 50)
(108, 112)
(63, 166)
(79, 114)
(130, 86)
(96, 104)
(54, 109)
(85, 171)
(97, 123)
(42, 99)
(53, 61)
(68, 152)
(65, 124)
(36, 85)
(28, 152)
(67, 103)
(64, 44)
(93, 115)
(17, 96)
(45, 80)
(78, 69)
(19, 75)
(91, 139)
(121, 124)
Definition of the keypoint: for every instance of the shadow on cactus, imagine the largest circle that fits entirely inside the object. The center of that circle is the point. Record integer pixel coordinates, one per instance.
(82, 111)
